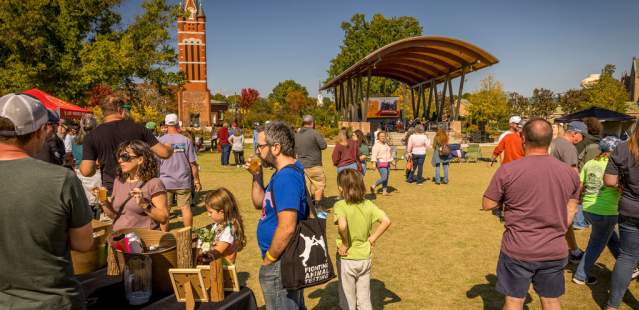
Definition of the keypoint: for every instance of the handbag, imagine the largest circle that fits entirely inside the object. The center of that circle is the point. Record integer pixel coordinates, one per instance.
(305, 261)
(382, 164)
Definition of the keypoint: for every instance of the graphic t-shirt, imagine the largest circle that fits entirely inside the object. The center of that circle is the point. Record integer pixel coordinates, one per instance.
(102, 142)
(597, 198)
(360, 218)
(535, 191)
(175, 172)
(286, 191)
(39, 203)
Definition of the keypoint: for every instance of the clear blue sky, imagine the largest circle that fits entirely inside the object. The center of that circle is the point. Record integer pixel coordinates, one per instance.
(550, 44)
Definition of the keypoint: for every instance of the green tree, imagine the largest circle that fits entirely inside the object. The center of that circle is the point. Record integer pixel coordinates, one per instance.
(518, 105)
(361, 37)
(542, 103)
(572, 100)
(281, 91)
(607, 93)
(488, 105)
(68, 47)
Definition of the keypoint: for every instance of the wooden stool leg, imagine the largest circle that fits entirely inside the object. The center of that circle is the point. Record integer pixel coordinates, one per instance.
(217, 281)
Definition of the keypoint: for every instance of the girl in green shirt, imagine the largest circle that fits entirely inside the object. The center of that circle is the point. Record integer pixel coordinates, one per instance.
(600, 205)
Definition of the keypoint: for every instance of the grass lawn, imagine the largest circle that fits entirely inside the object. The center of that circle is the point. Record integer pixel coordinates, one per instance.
(439, 253)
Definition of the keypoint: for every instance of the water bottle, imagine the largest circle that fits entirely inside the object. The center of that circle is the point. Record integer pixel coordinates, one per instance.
(137, 279)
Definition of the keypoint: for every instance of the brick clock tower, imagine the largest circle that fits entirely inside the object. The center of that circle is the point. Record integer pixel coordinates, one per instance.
(194, 104)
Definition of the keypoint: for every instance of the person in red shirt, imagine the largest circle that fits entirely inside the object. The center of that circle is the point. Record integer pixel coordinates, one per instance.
(223, 140)
(511, 144)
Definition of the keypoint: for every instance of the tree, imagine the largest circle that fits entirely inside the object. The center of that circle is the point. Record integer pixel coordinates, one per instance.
(282, 89)
(362, 37)
(518, 104)
(248, 96)
(542, 103)
(572, 100)
(68, 47)
(607, 93)
(489, 104)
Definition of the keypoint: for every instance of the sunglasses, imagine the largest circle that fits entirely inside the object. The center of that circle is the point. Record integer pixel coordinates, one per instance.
(126, 157)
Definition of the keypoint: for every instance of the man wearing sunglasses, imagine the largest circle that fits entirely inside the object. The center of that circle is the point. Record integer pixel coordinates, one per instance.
(102, 142)
(53, 149)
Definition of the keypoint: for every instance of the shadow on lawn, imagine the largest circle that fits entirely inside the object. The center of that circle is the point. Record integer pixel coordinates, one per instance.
(380, 296)
(489, 295)
(600, 290)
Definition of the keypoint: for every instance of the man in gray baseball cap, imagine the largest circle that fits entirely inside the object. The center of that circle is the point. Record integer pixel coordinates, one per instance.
(43, 214)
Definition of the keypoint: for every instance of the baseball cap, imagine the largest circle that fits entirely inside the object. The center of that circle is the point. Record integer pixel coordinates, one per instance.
(150, 125)
(609, 143)
(578, 126)
(25, 112)
(171, 119)
(514, 120)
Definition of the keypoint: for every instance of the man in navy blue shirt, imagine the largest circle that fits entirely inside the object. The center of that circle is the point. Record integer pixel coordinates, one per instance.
(283, 203)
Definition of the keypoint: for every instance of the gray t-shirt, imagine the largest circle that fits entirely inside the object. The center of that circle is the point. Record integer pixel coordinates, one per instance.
(308, 147)
(39, 203)
(624, 165)
(565, 151)
(175, 172)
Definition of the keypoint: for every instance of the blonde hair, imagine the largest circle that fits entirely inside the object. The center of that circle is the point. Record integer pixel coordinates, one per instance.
(633, 142)
(222, 199)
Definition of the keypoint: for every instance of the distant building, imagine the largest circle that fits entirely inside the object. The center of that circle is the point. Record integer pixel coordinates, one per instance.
(194, 99)
(590, 80)
(631, 81)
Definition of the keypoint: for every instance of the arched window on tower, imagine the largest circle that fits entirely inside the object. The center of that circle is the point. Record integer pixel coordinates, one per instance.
(192, 49)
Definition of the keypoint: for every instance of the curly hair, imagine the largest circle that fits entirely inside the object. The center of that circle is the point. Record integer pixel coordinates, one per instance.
(149, 168)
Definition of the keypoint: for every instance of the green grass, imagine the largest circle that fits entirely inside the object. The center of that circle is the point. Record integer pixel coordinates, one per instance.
(439, 253)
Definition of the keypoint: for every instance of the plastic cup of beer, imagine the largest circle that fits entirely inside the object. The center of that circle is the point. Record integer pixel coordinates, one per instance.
(254, 164)
(102, 194)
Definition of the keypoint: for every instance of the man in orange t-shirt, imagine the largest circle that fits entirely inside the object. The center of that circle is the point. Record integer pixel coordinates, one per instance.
(511, 145)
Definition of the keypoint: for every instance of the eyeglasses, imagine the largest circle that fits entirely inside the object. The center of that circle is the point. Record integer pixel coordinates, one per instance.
(260, 146)
(126, 157)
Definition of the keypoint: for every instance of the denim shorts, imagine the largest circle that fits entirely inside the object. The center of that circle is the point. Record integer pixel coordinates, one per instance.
(514, 277)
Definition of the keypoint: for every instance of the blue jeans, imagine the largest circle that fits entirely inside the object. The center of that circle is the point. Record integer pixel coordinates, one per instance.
(276, 297)
(349, 166)
(437, 176)
(363, 167)
(418, 166)
(383, 177)
(603, 233)
(226, 153)
(579, 220)
(626, 261)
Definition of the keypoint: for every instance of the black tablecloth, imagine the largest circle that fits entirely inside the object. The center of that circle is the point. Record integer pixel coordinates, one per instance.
(104, 293)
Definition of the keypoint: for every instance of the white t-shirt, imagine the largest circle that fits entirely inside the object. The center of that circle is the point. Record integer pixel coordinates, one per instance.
(225, 236)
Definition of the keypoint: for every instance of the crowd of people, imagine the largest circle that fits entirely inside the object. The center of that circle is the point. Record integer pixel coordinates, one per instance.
(120, 171)
(56, 172)
(546, 189)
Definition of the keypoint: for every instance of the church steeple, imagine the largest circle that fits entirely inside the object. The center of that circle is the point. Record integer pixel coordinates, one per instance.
(193, 7)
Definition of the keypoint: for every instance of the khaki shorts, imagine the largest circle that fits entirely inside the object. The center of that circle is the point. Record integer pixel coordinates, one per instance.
(315, 179)
(183, 197)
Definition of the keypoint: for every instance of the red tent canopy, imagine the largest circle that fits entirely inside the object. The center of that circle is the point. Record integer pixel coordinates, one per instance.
(63, 108)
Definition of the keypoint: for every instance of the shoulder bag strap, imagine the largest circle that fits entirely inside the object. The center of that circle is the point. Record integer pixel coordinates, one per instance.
(309, 201)
(121, 210)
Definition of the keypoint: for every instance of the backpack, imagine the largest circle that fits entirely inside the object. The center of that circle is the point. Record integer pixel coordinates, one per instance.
(305, 261)
(444, 151)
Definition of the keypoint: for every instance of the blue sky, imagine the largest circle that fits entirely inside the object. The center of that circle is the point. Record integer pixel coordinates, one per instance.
(550, 44)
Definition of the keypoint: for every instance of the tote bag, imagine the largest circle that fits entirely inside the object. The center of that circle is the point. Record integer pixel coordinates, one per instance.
(305, 261)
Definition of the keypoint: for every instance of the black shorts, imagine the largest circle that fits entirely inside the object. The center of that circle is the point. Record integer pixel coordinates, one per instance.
(514, 277)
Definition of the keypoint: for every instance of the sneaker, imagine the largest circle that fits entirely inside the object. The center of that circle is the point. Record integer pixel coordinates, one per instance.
(575, 256)
(635, 273)
(589, 281)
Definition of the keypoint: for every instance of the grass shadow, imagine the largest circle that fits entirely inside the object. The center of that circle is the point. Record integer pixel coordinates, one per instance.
(328, 296)
(600, 291)
(489, 295)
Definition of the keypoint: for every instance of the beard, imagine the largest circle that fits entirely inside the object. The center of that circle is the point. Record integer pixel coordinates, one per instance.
(269, 161)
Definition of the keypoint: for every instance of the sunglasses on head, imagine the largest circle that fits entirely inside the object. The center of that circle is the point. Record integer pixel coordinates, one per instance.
(126, 157)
